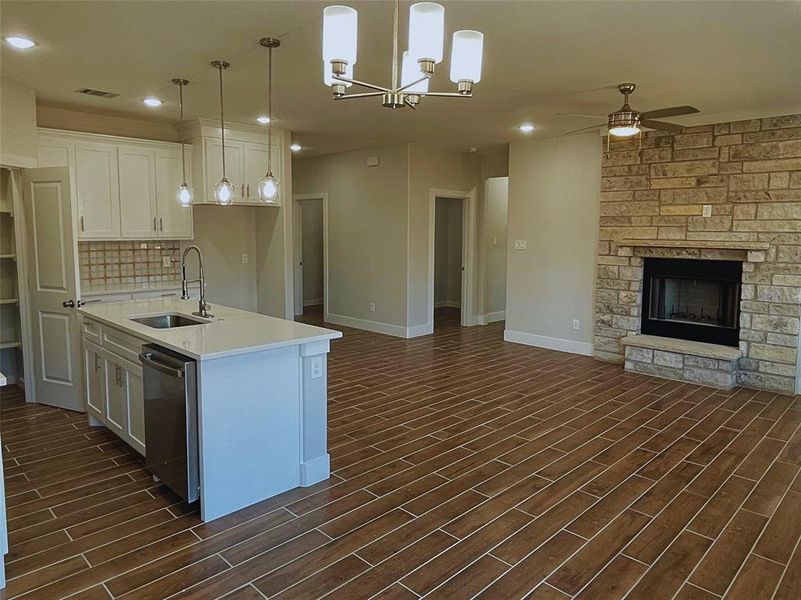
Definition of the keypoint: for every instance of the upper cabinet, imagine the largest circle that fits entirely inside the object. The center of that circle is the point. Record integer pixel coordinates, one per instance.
(124, 188)
(245, 160)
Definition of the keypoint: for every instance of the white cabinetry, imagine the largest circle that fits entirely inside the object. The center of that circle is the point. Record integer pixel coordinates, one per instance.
(97, 187)
(125, 188)
(245, 160)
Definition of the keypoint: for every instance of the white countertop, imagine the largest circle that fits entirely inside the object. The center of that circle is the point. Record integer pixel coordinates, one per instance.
(228, 333)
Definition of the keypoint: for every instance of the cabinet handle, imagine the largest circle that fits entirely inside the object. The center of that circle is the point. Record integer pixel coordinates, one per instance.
(161, 224)
(248, 186)
(97, 363)
(243, 190)
(154, 223)
(116, 375)
(82, 228)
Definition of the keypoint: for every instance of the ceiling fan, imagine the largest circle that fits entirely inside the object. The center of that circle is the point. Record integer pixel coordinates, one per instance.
(626, 121)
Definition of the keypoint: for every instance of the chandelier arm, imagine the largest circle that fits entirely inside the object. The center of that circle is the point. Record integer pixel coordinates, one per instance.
(445, 94)
(408, 85)
(409, 104)
(364, 84)
(361, 95)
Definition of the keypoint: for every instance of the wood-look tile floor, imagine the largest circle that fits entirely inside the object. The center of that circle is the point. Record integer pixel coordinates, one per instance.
(463, 467)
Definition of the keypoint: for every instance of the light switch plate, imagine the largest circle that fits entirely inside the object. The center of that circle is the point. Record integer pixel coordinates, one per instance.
(316, 367)
(166, 262)
(520, 244)
(245, 258)
(707, 210)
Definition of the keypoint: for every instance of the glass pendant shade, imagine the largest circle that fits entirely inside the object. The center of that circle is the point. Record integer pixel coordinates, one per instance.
(223, 192)
(268, 188)
(466, 56)
(184, 194)
(340, 34)
(328, 76)
(426, 31)
(410, 71)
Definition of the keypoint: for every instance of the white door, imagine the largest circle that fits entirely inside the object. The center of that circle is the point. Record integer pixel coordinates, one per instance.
(234, 168)
(52, 285)
(98, 191)
(175, 221)
(137, 172)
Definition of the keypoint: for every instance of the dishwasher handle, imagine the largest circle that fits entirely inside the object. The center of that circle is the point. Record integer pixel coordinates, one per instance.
(148, 360)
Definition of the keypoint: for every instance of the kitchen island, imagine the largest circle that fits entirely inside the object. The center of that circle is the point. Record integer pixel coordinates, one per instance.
(261, 393)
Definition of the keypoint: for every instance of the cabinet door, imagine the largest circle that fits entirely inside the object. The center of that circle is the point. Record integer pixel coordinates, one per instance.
(135, 402)
(256, 168)
(234, 167)
(174, 220)
(116, 409)
(95, 383)
(137, 171)
(98, 191)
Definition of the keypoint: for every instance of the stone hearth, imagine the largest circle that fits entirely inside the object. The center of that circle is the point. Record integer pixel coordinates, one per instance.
(652, 204)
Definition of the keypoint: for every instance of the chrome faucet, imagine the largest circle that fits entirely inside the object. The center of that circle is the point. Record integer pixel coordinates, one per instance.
(203, 308)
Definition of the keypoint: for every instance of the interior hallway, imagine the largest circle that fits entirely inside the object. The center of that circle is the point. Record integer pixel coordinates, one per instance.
(503, 469)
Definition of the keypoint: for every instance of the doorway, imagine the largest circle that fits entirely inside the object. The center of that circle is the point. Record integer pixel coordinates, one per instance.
(310, 254)
(448, 260)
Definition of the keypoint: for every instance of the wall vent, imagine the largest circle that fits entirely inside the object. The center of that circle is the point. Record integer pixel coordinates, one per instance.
(101, 93)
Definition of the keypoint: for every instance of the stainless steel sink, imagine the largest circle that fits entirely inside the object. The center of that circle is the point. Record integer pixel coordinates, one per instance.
(168, 321)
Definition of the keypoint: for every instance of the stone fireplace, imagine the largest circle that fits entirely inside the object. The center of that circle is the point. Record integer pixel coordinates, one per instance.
(666, 269)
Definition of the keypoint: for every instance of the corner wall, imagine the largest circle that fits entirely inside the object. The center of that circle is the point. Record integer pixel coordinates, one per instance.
(554, 207)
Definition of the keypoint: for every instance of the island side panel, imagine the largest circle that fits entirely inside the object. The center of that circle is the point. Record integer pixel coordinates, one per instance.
(315, 463)
(249, 429)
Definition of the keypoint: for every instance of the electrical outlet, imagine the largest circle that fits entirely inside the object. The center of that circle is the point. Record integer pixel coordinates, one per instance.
(372, 307)
(245, 258)
(166, 262)
(707, 210)
(495, 242)
(576, 324)
(143, 245)
(520, 244)
(316, 367)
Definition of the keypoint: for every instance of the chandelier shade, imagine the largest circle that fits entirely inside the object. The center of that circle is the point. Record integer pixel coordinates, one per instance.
(340, 32)
(426, 31)
(466, 56)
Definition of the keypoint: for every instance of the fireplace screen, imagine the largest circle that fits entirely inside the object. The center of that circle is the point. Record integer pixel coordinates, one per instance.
(692, 299)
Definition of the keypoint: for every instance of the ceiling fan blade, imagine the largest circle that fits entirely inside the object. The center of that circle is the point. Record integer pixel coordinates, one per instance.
(662, 125)
(578, 115)
(598, 126)
(673, 111)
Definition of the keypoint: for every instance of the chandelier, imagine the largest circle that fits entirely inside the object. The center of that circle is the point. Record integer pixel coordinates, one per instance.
(417, 64)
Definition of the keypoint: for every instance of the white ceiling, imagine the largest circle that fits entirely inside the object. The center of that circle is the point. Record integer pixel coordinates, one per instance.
(731, 60)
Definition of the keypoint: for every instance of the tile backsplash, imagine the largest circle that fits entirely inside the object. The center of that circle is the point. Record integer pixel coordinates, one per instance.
(105, 263)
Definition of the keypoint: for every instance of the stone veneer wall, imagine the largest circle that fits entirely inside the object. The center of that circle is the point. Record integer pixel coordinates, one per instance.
(750, 172)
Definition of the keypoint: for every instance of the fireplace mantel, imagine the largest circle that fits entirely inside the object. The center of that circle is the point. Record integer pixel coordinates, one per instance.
(695, 244)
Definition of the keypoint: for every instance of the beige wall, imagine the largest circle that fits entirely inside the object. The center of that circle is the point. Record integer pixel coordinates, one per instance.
(18, 139)
(448, 252)
(367, 237)
(55, 117)
(438, 168)
(224, 233)
(553, 205)
(494, 235)
(312, 242)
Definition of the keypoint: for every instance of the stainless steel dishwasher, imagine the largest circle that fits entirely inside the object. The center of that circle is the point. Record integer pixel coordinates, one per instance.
(171, 436)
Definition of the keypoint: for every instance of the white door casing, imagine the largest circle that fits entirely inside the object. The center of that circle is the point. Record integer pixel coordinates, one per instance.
(52, 282)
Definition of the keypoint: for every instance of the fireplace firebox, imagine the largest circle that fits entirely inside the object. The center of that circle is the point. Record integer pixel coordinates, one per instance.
(695, 300)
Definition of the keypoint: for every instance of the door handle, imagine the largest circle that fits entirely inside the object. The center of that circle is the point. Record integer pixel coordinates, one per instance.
(68, 304)
(147, 359)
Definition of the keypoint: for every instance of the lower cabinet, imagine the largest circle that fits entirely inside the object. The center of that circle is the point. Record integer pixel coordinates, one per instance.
(114, 394)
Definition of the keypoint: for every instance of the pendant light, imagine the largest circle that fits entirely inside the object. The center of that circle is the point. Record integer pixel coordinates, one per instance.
(268, 185)
(184, 194)
(223, 191)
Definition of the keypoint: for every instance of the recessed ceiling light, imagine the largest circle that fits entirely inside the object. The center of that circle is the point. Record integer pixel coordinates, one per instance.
(19, 42)
(296, 147)
(152, 102)
(526, 128)
(264, 120)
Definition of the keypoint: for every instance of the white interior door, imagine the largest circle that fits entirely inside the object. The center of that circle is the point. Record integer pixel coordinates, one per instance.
(52, 283)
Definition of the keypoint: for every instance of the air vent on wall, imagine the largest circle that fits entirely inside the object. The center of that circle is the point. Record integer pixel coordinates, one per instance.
(101, 93)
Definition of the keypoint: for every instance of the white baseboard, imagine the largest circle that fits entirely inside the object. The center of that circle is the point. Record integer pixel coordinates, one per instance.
(316, 470)
(447, 304)
(419, 330)
(551, 343)
(374, 326)
(314, 302)
(494, 317)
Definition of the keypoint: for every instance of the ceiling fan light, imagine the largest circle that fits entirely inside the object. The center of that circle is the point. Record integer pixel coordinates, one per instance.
(426, 31)
(410, 72)
(624, 131)
(340, 32)
(466, 56)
